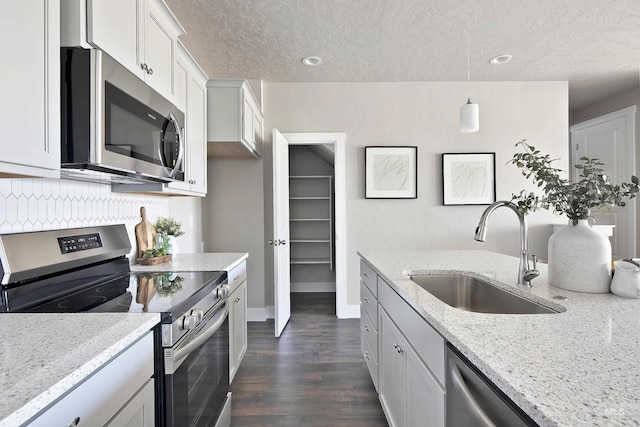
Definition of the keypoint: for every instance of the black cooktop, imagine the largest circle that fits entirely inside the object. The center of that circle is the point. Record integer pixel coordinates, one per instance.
(168, 293)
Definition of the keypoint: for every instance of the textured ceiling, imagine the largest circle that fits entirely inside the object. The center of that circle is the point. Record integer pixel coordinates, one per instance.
(593, 44)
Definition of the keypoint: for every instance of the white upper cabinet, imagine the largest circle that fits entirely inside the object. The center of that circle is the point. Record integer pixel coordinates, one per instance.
(234, 122)
(140, 34)
(191, 91)
(30, 87)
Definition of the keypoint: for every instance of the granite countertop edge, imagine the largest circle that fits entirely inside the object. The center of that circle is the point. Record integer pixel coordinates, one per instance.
(196, 262)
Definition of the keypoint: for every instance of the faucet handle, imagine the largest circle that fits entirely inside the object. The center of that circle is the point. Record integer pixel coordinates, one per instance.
(534, 258)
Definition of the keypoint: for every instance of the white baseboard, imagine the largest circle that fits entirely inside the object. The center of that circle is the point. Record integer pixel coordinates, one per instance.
(256, 315)
(313, 286)
(271, 311)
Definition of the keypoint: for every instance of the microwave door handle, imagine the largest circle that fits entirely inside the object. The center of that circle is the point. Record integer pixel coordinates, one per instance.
(180, 133)
(171, 171)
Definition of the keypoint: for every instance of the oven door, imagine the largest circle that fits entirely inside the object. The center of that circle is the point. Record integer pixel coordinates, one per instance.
(196, 374)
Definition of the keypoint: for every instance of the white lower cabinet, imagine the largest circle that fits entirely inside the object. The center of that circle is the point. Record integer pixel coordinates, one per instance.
(237, 317)
(120, 393)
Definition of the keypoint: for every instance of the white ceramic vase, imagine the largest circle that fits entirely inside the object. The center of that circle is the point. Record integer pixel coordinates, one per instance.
(580, 259)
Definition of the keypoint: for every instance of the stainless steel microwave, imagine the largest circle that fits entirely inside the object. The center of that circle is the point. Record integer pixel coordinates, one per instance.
(115, 128)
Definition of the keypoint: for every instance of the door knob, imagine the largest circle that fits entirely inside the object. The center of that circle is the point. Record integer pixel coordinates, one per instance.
(273, 242)
(282, 242)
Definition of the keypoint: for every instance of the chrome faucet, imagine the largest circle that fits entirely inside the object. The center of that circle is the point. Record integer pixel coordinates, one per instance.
(524, 274)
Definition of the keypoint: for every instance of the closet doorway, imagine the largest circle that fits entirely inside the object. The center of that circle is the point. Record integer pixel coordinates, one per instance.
(316, 217)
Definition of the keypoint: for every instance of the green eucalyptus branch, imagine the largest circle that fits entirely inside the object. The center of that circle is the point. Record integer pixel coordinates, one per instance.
(594, 190)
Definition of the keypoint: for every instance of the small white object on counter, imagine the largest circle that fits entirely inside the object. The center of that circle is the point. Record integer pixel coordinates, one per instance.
(44, 355)
(626, 280)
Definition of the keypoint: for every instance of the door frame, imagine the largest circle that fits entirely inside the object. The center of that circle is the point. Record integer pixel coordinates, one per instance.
(628, 113)
(338, 139)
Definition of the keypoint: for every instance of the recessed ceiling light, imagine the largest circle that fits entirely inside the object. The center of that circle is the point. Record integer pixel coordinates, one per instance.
(311, 60)
(500, 59)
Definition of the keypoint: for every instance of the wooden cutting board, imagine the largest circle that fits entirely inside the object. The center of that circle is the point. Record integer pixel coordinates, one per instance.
(145, 233)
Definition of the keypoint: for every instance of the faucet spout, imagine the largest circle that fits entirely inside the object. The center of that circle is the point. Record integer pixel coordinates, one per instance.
(524, 274)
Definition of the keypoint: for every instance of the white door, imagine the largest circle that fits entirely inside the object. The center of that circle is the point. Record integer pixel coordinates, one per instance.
(281, 279)
(611, 139)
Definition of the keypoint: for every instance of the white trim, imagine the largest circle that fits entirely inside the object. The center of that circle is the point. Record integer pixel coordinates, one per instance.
(629, 115)
(338, 139)
(313, 286)
(352, 312)
(256, 315)
(270, 312)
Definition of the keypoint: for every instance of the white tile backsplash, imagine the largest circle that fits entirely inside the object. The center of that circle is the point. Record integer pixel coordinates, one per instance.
(34, 204)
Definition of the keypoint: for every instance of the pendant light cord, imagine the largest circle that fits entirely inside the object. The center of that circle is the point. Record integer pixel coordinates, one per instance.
(469, 55)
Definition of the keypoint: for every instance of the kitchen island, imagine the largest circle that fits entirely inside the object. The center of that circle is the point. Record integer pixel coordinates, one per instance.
(575, 367)
(44, 355)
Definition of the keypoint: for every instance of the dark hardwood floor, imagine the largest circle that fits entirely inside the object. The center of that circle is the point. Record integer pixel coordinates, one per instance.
(313, 375)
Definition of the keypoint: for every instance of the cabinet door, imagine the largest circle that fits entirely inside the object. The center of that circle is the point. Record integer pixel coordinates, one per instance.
(113, 27)
(30, 88)
(425, 397)
(257, 132)
(158, 48)
(197, 133)
(139, 411)
(247, 121)
(392, 371)
(238, 333)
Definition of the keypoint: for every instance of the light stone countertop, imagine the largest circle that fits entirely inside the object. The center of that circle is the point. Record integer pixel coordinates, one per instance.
(578, 367)
(45, 355)
(196, 262)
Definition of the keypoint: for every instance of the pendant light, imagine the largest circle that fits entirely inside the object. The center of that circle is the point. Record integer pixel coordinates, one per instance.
(469, 112)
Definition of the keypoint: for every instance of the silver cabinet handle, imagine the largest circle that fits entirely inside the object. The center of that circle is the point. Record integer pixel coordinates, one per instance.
(366, 300)
(366, 355)
(272, 243)
(461, 387)
(150, 71)
(144, 67)
(282, 242)
(237, 299)
(398, 348)
(366, 328)
(365, 274)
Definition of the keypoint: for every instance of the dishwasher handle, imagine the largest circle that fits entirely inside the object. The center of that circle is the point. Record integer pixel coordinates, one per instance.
(461, 387)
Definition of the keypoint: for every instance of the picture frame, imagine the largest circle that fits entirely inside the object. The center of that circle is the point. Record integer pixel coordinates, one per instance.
(468, 178)
(391, 172)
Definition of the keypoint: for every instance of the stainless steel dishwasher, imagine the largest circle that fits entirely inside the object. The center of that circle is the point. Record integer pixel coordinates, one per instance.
(472, 400)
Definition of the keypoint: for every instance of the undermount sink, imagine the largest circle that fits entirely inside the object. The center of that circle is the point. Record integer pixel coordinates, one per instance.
(472, 294)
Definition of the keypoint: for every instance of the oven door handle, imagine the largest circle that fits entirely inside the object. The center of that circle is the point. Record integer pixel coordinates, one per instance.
(177, 356)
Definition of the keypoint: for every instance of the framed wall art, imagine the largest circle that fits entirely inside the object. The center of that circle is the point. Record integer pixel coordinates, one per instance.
(391, 172)
(468, 178)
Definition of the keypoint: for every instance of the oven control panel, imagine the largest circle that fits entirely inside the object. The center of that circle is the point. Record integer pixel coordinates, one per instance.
(78, 243)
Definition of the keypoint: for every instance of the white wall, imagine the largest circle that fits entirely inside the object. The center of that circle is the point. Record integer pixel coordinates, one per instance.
(188, 211)
(233, 219)
(424, 114)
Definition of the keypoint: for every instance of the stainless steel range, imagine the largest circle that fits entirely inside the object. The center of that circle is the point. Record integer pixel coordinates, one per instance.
(87, 270)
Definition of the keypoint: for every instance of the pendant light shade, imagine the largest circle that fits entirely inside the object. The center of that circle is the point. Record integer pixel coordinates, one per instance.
(469, 117)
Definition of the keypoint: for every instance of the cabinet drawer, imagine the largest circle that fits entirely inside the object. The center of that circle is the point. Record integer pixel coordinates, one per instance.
(237, 275)
(369, 277)
(372, 364)
(429, 345)
(370, 332)
(368, 302)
